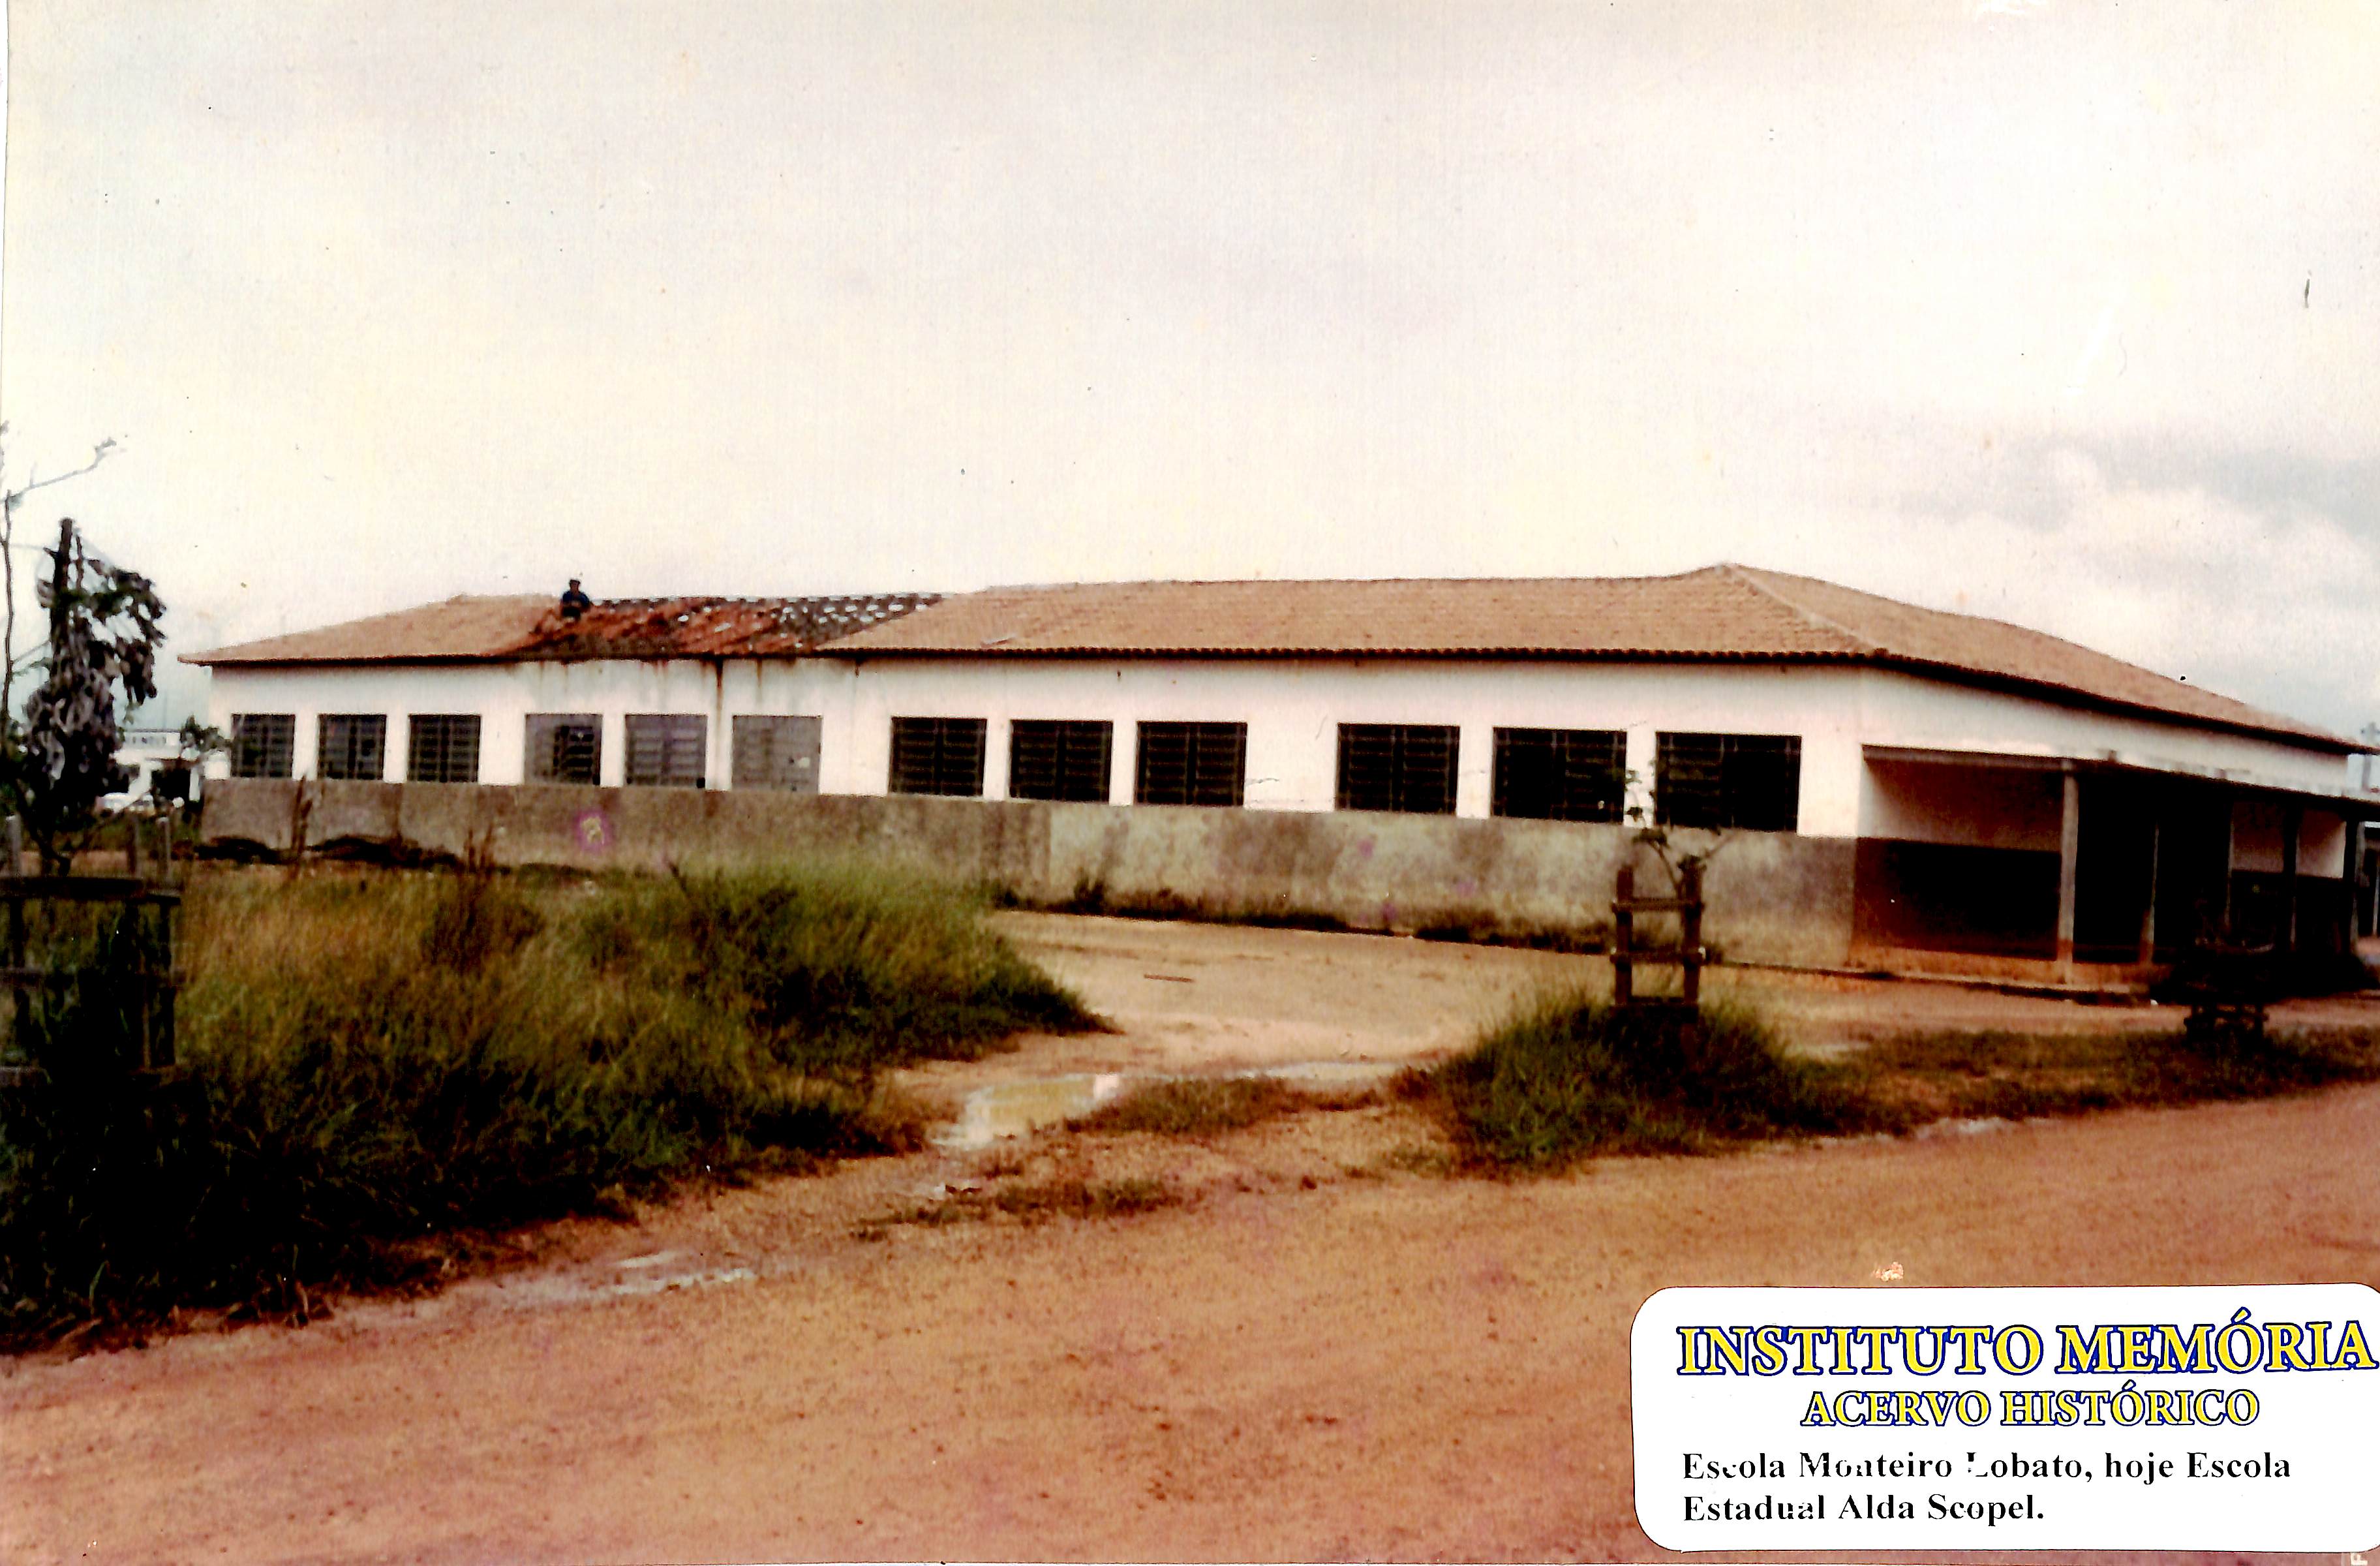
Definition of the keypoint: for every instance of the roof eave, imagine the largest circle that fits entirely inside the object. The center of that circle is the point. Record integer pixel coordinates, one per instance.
(2069, 696)
(221, 660)
(1950, 673)
(527, 655)
(1431, 654)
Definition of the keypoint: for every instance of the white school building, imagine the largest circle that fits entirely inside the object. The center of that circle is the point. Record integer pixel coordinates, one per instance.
(2013, 798)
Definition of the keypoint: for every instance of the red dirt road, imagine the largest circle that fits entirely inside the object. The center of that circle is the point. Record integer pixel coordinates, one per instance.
(1401, 1366)
(1314, 1357)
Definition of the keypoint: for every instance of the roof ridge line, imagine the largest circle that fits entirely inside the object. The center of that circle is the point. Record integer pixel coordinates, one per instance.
(1744, 574)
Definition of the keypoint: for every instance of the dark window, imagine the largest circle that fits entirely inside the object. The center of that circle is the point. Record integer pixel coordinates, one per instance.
(564, 748)
(1407, 767)
(442, 748)
(938, 756)
(1059, 761)
(1721, 781)
(665, 749)
(353, 746)
(778, 753)
(262, 743)
(1192, 764)
(1561, 775)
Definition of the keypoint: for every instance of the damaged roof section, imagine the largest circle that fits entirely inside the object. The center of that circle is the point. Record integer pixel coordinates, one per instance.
(714, 628)
(531, 627)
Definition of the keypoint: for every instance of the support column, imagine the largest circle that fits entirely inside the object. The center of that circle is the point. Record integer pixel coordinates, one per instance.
(2148, 911)
(1642, 756)
(2230, 859)
(2366, 882)
(1123, 761)
(2069, 838)
(998, 734)
(1475, 771)
(2354, 880)
(2292, 830)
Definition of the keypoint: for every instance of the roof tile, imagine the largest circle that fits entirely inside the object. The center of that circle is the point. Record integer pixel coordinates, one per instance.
(1721, 612)
(531, 627)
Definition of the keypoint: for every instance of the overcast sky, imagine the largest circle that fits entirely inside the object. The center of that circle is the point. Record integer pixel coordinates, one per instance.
(2063, 312)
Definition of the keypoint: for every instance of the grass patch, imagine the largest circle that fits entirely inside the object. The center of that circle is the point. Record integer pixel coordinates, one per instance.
(375, 1067)
(1920, 1076)
(1093, 897)
(1193, 1107)
(1414, 1158)
(1070, 1197)
(1590, 939)
(1208, 1106)
(840, 969)
(1037, 1201)
(1569, 1076)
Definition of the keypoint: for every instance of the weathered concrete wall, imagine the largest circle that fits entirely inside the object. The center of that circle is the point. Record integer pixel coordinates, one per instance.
(1774, 897)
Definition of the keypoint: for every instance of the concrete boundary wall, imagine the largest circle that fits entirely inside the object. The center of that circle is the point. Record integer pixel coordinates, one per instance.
(1774, 897)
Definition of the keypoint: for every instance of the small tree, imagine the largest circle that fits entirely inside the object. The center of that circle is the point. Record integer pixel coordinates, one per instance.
(194, 745)
(1653, 834)
(59, 761)
(58, 764)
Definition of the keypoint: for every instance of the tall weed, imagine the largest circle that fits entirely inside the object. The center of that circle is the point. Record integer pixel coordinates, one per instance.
(374, 1065)
(842, 968)
(1568, 1075)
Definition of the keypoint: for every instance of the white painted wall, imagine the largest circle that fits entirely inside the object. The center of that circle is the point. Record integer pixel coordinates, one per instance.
(1293, 709)
(1903, 710)
(1972, 806)
(504, 695)
(2260, 833)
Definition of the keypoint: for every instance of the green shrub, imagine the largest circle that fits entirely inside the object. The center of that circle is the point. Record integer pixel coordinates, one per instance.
(374, 1068)
(2223, 1065)
(841, 968)
(2017, 1076)
(1569, 1076)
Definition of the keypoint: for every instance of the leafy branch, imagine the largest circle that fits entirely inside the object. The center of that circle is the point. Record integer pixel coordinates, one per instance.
(1653, 834)
(10, 501)
(105, 629)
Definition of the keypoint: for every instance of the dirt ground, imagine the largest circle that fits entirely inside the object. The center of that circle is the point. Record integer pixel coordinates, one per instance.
(1318, 1348)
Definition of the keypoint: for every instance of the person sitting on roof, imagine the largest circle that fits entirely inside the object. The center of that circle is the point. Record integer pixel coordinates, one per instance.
(575, 602)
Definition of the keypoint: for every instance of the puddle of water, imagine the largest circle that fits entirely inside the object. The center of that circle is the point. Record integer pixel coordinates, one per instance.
(596, 1284)
(1983, 1126)
(1018, 1109)
(1333, 1073)
(1009, 1110)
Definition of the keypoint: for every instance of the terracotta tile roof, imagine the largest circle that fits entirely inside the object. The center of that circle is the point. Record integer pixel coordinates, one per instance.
(1969, 645)
(1719, 613)
(460, 630)
(526, 627)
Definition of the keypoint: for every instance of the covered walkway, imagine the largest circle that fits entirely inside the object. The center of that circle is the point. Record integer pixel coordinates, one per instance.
(2076, 871)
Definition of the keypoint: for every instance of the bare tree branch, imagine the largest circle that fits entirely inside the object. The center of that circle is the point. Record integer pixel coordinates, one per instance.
(9, 500)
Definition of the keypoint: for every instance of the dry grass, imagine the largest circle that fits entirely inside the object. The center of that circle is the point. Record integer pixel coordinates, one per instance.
(1917, 1077)
(1035, 1201)
(374, 1067)
(1195, 1107)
